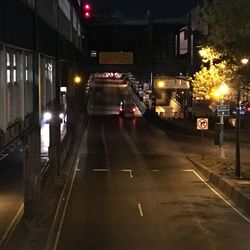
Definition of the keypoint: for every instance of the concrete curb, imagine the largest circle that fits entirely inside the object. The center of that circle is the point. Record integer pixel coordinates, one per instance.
(227, 187)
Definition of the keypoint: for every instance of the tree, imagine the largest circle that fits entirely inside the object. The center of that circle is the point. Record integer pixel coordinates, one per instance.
(229, 26)
(214, 72)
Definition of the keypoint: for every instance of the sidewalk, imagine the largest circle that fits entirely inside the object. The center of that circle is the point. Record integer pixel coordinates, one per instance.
(237, 190)
(219, 173)
(187, 126)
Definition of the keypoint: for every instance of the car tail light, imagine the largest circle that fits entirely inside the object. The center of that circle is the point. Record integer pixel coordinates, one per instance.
(248, 109)
(120, 109)
(133, 109)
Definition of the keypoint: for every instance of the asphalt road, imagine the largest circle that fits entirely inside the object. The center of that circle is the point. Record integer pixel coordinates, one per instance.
(134, 189)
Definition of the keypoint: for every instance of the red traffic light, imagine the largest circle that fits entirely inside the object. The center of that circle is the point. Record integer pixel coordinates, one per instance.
(87, 15)
(87, 7)
(87, 10)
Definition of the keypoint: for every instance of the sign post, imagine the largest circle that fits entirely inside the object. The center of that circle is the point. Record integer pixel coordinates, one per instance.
(222, 110)
(202, 124)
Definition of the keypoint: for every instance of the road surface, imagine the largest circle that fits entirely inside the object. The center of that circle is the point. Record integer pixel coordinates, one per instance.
(134, 189)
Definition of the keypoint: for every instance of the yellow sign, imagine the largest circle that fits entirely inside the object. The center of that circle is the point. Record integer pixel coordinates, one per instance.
(116, 58)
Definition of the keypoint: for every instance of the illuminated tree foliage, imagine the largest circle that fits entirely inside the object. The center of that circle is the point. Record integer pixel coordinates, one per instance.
(229, 26)
(214, 72)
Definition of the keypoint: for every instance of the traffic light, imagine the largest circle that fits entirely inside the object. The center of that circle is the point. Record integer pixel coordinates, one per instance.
(87, 10)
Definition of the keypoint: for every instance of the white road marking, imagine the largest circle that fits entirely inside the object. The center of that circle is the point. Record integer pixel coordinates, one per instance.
(12, 226)
(128, 170)
(211, 188)
(105, 147)
(66, 205)
(155, 170)
(107, 170)
(140, 209)
(100, 170)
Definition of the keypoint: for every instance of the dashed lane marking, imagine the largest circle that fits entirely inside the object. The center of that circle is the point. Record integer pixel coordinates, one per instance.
(140, 209)
(100, 170)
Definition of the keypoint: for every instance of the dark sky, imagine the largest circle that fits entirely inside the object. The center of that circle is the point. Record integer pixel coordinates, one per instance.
(134, 8)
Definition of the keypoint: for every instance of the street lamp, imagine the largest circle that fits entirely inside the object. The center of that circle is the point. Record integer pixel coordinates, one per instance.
(77, 79)
(244, 61)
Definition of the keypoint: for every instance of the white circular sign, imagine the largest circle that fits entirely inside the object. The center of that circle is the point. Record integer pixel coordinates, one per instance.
(202, 123)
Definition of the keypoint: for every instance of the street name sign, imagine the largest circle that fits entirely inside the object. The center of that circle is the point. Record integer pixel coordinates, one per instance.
(202, 123)
(223, 110)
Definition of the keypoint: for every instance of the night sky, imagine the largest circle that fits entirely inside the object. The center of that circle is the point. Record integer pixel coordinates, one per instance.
(138, 8)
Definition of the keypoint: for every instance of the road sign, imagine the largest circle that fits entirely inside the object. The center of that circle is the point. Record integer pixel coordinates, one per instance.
(202, 123)
(223, 110)
(116, 58)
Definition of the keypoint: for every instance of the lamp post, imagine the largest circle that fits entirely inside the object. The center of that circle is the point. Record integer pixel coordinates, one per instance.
(244, 61)
(219, 94)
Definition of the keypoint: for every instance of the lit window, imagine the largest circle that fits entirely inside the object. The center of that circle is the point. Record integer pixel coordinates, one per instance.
(14, 59)
(26, 75)
(14, 75)
(8, 59)
(8, 75)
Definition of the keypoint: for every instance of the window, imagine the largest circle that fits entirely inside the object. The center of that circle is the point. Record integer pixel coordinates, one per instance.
(8, 59)
(28, 84)
(14, 60)
(14, 75)
(13, 87)
(48, 86)
(8, 75)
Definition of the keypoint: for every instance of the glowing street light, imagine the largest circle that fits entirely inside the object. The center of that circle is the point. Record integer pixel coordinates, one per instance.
(161, 84)
(77, 79)
(244, 61)
(224, 89)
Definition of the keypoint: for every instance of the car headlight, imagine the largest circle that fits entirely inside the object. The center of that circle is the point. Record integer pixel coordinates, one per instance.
(47, 116)
(61, 115)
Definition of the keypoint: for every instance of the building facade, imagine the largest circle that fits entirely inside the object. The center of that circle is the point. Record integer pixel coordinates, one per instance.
(53, 29)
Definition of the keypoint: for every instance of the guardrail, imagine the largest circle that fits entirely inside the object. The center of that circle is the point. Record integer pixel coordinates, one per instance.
(141, 106)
